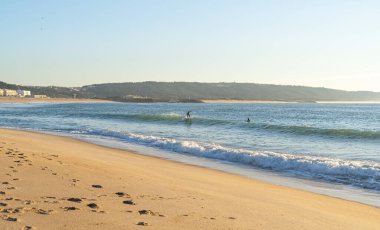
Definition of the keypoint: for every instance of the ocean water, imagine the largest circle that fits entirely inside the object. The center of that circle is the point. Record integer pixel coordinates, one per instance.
(334, 144)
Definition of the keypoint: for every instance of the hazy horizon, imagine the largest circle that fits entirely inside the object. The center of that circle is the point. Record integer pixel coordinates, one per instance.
(314, 43)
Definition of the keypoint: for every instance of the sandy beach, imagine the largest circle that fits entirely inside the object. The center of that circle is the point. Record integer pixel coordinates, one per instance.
(50, 182)
(281, 102)
(243, 101)
(47, 100)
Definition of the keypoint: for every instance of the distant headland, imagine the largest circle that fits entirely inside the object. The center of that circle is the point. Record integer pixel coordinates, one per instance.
(195, 92)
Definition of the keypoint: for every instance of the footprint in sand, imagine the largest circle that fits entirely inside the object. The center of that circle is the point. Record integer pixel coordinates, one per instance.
(70, 208)
(97, 186)
(77, 200)
(51, 202)
(13, 211)
(122, 194)
(142, 223)
(28, 202)
(13, 219)
(50, 199)
(130, 202)
(44, 212)
(151, 213)
(93, 205)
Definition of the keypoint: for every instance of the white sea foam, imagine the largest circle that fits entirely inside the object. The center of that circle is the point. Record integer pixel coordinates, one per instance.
(365, 174)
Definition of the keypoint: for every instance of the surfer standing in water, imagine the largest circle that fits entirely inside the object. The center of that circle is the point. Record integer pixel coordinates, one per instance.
(248, 120)
(188, 115)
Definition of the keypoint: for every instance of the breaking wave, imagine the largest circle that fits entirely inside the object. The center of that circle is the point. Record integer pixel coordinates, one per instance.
(363, 174)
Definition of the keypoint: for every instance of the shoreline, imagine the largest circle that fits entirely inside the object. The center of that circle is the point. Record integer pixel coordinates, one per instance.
(47, 100)
(245, 101)
(351, 194)
(222, 101)
(286, 102)
(199, 197)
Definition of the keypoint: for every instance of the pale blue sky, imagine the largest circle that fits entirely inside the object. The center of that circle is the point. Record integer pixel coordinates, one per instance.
(329, 43)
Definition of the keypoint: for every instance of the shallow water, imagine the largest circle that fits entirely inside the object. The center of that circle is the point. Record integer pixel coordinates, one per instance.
(332, 143)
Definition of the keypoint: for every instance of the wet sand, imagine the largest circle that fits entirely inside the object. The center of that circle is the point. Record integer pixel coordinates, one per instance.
(49, 182)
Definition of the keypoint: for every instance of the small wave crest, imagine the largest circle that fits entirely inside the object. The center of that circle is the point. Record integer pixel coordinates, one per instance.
(306, 130)
(173, 118)
(170, 118)
(147, 117)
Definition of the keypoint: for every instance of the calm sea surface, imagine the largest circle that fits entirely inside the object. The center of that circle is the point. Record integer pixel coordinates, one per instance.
(333, 143)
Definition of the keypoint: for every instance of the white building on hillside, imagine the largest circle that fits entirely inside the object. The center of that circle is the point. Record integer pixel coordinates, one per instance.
(9, 92)
(23, 93)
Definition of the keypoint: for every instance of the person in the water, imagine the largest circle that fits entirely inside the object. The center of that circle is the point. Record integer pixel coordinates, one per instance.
(188, 116)
(248, 120)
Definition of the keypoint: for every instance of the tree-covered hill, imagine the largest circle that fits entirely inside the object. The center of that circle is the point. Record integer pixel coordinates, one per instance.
(164, 91)
(242, 91)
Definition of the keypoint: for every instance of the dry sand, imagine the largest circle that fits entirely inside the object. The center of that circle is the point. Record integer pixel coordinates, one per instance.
(49, 182)
(46, 100)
